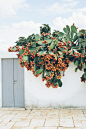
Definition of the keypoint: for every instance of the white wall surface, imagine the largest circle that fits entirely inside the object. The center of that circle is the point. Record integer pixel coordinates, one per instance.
(71, 94)
(0, 87)
(37, 95)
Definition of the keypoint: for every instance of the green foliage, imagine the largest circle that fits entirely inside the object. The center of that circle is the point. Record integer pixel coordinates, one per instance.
(55, 32)
(37, 36)
(31, 38)
(25, 58)
(38, 71)
(50, 54)
(60, 34)
(45, 28)
(21, 41)
(73, 29)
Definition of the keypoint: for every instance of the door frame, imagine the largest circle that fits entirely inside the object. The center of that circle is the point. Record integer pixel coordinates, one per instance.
(13, 83)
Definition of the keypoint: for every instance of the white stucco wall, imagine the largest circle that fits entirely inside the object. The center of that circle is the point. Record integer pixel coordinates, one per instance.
(37, 95)
(0, 86)
(71, 94)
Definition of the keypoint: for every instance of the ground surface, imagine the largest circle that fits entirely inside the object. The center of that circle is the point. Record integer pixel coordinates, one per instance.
(42, 119)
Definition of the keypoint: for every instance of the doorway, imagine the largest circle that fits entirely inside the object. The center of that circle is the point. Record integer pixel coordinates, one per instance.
(12, 83)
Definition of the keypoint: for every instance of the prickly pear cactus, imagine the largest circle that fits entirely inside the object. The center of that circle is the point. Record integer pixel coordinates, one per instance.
(50, 55)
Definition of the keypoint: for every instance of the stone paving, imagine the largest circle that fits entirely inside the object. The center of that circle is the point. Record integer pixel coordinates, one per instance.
(11, 118)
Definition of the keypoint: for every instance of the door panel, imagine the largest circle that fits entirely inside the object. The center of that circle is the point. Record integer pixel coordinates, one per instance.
(18, 84)
(12, 83)
(7, 83)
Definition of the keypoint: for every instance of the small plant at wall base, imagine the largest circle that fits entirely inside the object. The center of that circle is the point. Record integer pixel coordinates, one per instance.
(50, 54)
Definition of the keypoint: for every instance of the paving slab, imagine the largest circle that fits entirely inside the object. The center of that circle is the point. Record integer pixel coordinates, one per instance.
(19, 118)
(67, 128)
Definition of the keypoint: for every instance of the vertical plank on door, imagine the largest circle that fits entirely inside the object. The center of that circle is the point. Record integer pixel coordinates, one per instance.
(7, 83)
(18, 84)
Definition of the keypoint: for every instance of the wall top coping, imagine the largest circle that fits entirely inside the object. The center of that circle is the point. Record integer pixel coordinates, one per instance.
(8, 55)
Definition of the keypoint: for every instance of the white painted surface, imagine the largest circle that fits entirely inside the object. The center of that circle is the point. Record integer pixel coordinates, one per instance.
(37, 95)
(8, 55)
(0, 86)
(0, 96)
(71, 94)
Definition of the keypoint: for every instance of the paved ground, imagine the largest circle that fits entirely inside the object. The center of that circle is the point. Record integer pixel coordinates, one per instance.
(42, 119)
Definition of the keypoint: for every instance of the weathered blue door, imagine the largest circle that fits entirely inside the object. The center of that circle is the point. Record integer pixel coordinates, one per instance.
(12, 83)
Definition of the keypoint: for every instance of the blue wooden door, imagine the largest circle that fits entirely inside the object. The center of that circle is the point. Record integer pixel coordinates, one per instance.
(12, 83)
